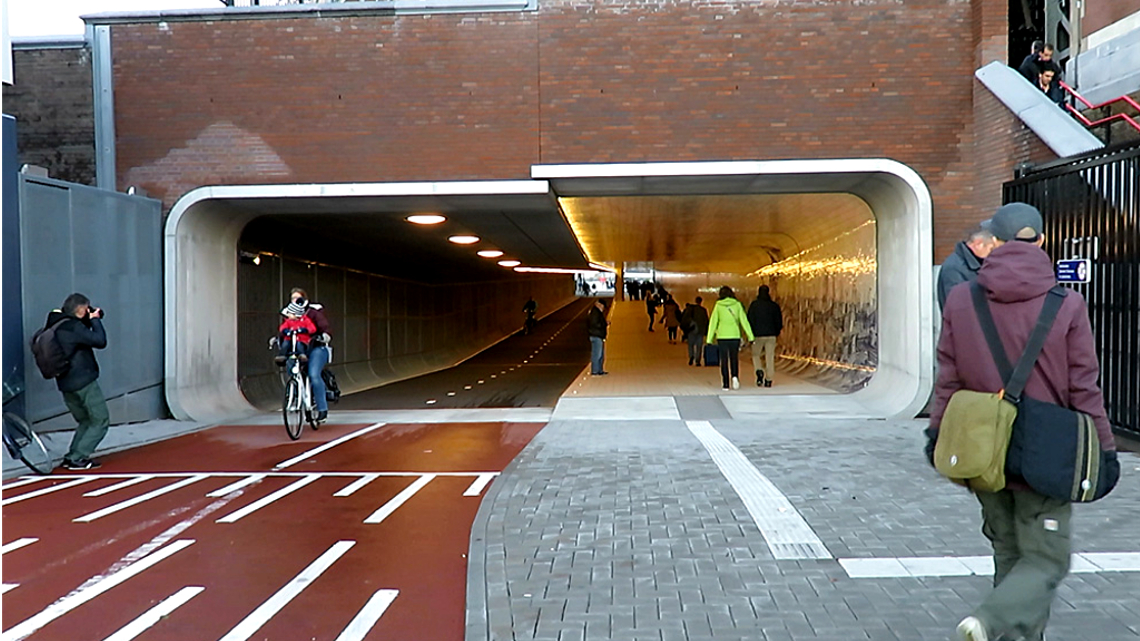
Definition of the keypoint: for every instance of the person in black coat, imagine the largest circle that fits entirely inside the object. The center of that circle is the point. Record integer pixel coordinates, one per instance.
(79, 334)
(962, 266)
(1039, 59)
(767, 322)
(596, 326)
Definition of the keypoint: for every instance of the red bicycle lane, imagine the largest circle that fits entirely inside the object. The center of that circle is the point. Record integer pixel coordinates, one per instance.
(249, 546)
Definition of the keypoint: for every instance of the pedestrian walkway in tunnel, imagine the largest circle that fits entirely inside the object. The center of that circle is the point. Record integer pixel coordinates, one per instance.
(643, 363)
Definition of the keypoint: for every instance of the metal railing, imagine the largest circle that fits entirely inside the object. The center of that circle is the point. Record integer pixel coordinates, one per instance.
(1091, 207)
(1102, 121)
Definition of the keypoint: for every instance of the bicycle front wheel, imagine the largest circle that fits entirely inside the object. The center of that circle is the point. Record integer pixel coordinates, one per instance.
(33, 452)
(292, 410)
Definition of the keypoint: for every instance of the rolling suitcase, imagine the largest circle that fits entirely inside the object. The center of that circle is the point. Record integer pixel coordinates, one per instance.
(712, 356)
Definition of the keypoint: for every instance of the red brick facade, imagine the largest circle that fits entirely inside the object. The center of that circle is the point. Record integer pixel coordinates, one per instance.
(485, 96)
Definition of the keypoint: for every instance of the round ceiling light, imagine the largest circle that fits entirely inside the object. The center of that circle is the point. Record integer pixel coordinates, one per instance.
(426, 219)
(509, 263)
(464, 240)
(490, 253)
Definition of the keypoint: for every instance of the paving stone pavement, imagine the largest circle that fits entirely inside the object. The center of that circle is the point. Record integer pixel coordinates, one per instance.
(627, 530)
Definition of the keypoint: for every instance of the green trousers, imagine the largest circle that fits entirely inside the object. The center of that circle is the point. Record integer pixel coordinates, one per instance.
(89, 408)
(1030, 536)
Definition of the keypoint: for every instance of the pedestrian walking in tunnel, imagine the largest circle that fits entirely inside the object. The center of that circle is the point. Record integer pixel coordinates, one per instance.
(651, 303)
(671, 317)
(78, 332)
(767, 321)
(695, 324)
(728, 325)
(1029, 531)
(596, 325)
(963, 264)
(320, 352)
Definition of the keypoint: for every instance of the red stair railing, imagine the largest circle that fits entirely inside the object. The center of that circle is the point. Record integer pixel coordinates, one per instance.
(1096, 123)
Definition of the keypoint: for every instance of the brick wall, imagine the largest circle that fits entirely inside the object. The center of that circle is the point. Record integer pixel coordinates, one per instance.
(379, 98)
(1102, 13)
(51, 100)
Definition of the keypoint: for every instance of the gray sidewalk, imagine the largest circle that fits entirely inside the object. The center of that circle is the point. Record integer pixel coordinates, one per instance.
(628, 530)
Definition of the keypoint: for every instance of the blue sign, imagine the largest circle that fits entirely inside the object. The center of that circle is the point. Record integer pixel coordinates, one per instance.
(1074, 270)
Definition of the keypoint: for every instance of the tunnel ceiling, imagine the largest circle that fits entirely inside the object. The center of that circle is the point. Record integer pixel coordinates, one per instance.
(710, 233)
(370, 234)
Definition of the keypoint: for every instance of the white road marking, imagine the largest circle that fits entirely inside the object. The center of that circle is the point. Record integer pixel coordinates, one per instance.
(908, 567)
(233, 487)
(257, 505)
(362, 623)
(17, 544)
(8, 586)
(47, 490)
(787, 534)
(26, 480)
(252, 623)
(119, 486)
(351, 488)
(155, 614)
(479, 484)
(391, 506)
(78, 598)
(327, 446)
(98, 514)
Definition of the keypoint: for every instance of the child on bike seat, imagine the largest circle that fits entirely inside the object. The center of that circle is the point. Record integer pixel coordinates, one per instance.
(296, 324)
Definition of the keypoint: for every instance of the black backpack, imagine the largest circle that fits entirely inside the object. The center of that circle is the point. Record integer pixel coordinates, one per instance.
(50, 356)
(332, 390)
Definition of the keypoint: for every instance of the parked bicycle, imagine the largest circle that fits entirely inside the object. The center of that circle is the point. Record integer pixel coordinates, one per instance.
(21, 440)
(297, 403)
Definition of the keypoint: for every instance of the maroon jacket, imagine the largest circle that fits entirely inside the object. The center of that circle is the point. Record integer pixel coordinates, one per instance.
(1016, 277)
(316, 313)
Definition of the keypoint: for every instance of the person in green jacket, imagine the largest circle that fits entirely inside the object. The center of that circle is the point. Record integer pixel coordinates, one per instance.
(728, 318)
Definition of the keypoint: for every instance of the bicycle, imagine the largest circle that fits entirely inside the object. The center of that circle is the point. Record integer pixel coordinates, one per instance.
(297, 403)
(529, 324)
(21, 440)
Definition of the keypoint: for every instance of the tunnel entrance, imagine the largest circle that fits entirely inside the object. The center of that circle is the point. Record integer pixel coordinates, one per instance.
(865, 223)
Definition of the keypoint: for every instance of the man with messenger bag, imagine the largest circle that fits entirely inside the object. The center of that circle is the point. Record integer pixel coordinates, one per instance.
(1028, 436)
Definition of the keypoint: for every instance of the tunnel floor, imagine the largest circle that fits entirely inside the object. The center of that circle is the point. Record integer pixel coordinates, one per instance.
(521, 371)
(539, 369)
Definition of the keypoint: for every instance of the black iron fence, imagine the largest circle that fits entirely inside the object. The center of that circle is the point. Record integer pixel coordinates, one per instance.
(1091, 207)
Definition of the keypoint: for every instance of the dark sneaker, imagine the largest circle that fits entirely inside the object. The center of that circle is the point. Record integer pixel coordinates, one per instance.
(84, 464)
(759, 377)
(322, 415)
(767, 383)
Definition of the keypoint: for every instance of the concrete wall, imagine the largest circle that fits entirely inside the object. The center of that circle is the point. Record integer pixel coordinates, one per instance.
(486, 95)
(383, 329)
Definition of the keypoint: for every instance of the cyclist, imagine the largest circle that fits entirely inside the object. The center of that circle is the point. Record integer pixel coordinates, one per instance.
(530, 308)
(319, 352)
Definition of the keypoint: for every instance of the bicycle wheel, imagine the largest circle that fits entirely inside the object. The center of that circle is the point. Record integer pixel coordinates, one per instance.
(291, 408)
(33, 452)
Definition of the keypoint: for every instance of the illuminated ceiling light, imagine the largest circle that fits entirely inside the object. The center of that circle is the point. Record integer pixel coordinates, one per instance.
(464, 240)
(509, 263)
(490, 253)
(426, 219)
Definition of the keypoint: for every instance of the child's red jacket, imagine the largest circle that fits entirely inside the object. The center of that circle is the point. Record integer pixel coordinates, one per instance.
(304, 326)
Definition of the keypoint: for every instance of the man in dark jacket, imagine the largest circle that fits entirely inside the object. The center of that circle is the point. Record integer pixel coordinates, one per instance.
(79, 335)
(962, 266)
(695, 324)
(596, 326)
(767, 321)
(1029, 532)
(1039, 59)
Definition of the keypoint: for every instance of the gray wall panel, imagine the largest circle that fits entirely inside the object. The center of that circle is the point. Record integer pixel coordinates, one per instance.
(105, 245)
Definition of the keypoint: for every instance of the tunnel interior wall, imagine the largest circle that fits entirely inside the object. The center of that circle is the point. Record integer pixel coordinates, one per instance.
(383, 329)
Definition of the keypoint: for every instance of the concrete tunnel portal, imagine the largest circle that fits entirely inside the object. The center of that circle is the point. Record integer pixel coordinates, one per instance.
(405, 295)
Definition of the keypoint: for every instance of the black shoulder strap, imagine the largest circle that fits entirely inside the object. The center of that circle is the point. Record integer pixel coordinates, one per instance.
(1015, 379)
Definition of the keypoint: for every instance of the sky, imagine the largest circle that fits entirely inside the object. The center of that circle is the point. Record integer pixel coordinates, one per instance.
(61, 17)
